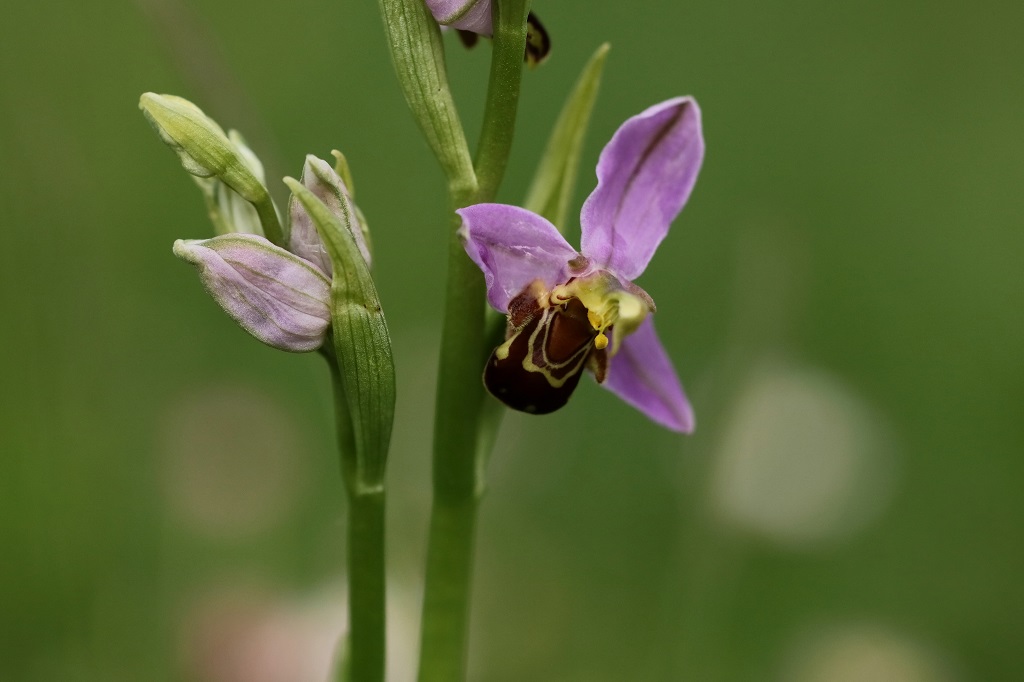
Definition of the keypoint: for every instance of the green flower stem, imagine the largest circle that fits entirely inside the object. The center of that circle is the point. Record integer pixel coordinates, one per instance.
(366, 568)
(458, 476)
(457, 481)
(366, 585)
(269, 220)
(459, 389)
(502, 95)
(446, 601)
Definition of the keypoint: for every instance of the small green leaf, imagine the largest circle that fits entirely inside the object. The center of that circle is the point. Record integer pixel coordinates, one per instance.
(361, 341)
(555, 179)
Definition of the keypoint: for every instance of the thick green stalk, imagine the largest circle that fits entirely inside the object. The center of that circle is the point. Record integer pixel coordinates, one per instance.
(459, 389)
(446, 600)
(366, 567)
(457, 463)
(366, 581)
(456, 481)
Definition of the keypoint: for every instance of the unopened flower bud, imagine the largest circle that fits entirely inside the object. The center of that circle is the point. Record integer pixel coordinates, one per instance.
(278, 297)
(328, 186)
(212, 156)
(201, 145)
(362, 344)
(229, 212)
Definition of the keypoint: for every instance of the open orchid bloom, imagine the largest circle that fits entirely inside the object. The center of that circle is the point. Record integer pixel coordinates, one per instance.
(568, 310)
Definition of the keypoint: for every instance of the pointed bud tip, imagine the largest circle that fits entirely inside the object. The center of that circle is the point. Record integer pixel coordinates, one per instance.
(341, 167)
(155, 102)
(149, 100)
(185, 249)
(322, 169)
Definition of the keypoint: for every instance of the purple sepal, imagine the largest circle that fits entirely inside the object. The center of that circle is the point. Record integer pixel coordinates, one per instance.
(281, 299)
(645, 175)
(304, 241)
(513, 247)
(642, 375)
(465, 15)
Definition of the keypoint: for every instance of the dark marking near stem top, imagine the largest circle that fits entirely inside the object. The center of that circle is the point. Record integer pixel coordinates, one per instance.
(538, 42)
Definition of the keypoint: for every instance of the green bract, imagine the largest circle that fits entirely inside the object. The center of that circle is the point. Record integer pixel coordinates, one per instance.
(418, 56)
(555, 179)
(361, 341)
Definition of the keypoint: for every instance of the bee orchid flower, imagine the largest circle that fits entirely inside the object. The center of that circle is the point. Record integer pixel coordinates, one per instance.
(572, 310)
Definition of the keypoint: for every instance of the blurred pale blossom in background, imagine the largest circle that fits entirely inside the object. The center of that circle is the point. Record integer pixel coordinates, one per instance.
(239, 637)
(802, 459)
(864, 652)
(238, 634)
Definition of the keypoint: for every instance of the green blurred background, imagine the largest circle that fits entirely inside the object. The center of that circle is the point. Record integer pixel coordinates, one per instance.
(842, 298)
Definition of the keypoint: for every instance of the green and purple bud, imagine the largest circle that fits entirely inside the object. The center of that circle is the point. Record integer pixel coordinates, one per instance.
(281, 299)
(334, 191)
